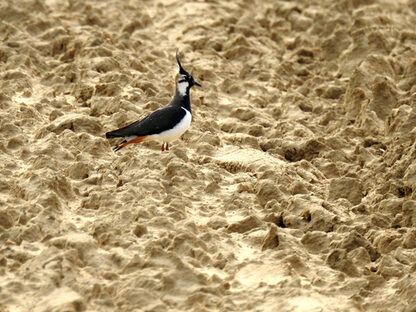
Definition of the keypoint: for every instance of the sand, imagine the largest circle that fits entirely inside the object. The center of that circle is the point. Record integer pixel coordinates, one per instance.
(293, 190)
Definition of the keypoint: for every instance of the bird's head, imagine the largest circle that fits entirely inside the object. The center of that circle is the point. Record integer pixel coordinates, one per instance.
(185, 79)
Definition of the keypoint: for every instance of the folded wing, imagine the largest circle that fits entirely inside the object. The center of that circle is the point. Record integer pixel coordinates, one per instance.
(155, 123)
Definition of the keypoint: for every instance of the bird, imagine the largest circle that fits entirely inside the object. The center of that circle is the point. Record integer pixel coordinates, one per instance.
(163, 125)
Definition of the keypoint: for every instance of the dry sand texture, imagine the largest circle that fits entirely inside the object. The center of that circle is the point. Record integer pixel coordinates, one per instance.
(293, 190)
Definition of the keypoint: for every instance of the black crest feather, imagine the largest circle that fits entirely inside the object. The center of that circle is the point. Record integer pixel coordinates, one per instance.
(181, 70)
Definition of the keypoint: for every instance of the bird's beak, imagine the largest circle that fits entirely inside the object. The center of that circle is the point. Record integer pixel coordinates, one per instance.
(197, 84)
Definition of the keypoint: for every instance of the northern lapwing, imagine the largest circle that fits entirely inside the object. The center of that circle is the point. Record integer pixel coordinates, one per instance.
(166, 124)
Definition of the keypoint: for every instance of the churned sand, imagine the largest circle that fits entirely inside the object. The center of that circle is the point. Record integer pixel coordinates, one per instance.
(293, 190)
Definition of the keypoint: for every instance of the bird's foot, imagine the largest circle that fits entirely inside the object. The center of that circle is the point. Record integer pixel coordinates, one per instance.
(165, 146)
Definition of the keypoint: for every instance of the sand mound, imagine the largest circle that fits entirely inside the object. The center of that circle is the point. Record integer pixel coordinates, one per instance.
(293, 190)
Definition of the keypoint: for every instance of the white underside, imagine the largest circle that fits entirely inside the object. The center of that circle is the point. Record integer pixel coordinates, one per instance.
(174, 133)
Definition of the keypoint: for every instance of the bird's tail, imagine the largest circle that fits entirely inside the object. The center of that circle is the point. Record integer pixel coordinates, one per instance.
(120, 146)
(128, 142)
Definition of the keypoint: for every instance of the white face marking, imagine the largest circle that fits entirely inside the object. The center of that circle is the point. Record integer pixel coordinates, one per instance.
(182, 86)
(175, 132)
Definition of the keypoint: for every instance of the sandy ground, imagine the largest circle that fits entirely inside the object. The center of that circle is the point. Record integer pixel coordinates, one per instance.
(293, 190)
